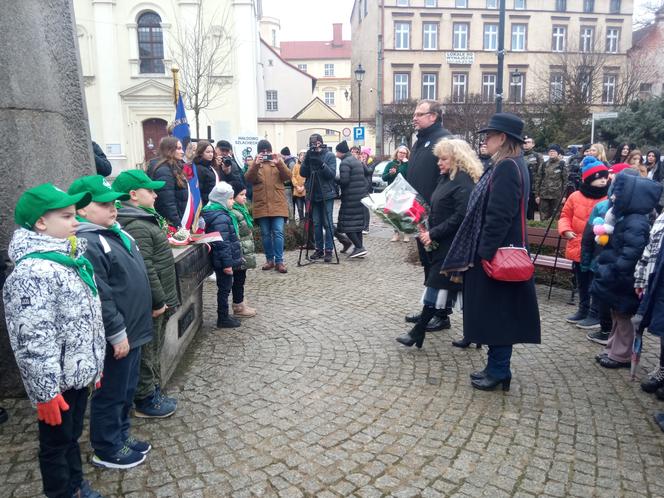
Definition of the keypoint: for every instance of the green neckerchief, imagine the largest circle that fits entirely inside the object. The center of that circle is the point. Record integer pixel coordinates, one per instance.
(126, 241)
(245, 212)
(163, 224)
(81, 264)
(215, 206)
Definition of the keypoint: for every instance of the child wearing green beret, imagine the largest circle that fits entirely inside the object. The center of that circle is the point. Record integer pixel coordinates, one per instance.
(149, 229)
(126, 302)
(55, 326)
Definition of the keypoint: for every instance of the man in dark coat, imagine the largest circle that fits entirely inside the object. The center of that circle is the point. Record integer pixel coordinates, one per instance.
(230, 169)
(423, 174)
(320, 166)
(353, 188)
(103, 165)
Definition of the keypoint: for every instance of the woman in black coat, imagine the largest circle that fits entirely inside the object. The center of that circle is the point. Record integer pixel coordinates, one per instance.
(495, 312)
(204, 162)
(172, 200)
(459, 170)
(353, 188)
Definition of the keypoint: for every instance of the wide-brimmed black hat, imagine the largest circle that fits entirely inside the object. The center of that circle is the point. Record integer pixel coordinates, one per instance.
(507, 123)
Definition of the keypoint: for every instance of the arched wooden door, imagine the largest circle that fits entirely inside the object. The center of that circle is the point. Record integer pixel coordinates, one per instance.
(154, 129)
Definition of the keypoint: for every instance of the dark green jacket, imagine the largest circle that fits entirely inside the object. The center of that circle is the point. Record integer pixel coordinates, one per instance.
(401, 167)
(246, 237)
(156, 252)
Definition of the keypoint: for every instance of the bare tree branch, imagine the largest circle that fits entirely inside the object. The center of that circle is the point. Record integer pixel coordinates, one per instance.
(203, 51)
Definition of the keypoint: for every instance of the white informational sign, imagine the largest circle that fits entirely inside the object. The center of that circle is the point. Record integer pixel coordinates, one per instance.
(604, 115)
(346, 132)
(244, 146)
(460, 57)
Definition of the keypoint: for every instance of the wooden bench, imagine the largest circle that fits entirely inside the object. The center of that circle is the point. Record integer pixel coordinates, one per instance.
(537, 236)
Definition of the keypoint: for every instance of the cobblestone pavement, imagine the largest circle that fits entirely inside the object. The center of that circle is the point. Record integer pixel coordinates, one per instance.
(313, 397)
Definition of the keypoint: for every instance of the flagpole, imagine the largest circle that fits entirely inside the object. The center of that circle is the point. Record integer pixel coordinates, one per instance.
(176, 85)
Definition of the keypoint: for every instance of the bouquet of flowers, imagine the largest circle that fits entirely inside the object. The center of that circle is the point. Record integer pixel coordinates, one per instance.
(400, 206)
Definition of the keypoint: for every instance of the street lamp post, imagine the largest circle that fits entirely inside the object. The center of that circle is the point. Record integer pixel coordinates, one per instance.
(359, 76)
(501, 56)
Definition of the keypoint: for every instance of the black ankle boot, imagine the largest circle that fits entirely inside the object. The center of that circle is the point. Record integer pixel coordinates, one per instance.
(488, 383)
(464, 343)
(415, 336)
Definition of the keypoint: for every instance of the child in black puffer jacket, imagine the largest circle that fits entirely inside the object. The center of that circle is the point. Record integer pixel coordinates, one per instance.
(227, 253)
(633, 198)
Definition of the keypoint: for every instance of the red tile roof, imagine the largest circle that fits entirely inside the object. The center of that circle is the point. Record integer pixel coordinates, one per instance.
(308, 50)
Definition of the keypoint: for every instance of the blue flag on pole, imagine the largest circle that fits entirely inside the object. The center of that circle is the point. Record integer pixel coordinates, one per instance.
(181, 125)
(194, 200)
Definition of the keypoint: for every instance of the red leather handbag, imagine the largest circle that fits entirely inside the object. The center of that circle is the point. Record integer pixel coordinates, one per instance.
(512, 264)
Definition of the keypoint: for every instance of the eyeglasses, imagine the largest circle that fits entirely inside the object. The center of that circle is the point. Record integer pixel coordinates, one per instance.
(420, 114)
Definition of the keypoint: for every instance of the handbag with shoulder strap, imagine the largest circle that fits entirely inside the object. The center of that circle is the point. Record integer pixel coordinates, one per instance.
(512, 263)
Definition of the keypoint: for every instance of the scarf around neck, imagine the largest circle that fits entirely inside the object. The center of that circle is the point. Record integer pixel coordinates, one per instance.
(594, 192)
(81, 265)
(116, 229)
(463, 250)
(245, 212)
(215, 206)
(161, 221)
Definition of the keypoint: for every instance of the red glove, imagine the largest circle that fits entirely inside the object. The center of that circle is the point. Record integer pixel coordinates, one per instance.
(49, 412)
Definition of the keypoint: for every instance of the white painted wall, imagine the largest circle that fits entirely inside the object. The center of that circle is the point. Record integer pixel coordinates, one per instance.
(118, 99)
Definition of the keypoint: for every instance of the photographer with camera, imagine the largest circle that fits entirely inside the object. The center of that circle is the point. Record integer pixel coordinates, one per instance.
(268, 174)
(228, 168)
(320, 168)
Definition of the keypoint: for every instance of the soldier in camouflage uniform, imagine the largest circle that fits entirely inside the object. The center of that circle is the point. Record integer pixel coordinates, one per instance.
(534, 161)
(550, 183)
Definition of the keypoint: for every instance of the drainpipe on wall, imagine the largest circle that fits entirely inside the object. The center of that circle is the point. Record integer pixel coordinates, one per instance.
(379, 87)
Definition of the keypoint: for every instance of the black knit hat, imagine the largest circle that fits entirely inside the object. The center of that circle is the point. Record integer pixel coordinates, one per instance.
(237, 188)
(315, 137)
(224, 144)
(264, 145)
(285, 151)
(342, 147)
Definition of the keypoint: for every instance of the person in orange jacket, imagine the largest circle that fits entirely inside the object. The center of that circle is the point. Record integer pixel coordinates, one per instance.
(573, 219)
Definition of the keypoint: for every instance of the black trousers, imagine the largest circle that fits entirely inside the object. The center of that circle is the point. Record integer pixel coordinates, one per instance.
(239, 278)
(426, 264)
(356, 239)
(224, 286)
(59, 452)
(367, 217)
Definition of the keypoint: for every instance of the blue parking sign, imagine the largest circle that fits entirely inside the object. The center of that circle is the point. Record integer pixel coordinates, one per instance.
(358, 133)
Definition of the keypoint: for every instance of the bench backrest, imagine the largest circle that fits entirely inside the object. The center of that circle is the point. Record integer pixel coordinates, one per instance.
(536, 235)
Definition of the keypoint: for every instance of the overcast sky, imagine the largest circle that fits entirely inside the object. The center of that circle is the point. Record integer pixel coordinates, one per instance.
(312, 19)
(309, 19)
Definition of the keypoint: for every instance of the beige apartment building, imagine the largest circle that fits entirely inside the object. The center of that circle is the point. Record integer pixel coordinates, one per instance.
(446, 49)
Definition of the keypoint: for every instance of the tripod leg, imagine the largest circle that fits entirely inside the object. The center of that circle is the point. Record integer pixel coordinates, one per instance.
(327, 218)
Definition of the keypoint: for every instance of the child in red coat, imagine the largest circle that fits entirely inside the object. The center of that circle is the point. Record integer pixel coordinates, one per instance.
(571, 225)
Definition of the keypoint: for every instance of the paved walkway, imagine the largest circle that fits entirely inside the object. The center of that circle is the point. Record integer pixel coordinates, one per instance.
(315, 398)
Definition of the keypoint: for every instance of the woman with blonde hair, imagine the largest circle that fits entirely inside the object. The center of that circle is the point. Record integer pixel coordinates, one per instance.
(598, 151)
(398, 165)
(460, 169)
(496, 312)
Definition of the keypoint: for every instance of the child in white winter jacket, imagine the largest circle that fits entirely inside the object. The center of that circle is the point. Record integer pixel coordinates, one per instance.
(55, 327)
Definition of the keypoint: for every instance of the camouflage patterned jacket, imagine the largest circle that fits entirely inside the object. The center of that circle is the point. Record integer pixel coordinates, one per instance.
(551, 179)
